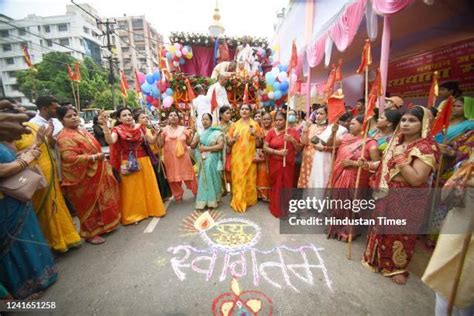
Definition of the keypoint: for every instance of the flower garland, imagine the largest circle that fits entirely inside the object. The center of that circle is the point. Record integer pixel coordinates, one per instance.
(193, 39)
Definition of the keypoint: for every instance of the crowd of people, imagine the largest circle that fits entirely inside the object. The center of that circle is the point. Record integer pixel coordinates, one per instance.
(256, 157)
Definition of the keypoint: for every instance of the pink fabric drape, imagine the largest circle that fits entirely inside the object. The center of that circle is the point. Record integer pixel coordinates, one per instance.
(384, 56)
(202, 62)
(315, 52)
(388, 7)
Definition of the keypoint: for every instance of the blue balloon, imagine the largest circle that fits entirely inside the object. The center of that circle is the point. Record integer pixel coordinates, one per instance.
(149, 78)
(283, 67)
(148, 106)
(169, 91)
(276, 86)
(156, 75)
(155, 93)
(146, 88)
(269, 78)
(181, 61)
(278, 95)
(284, 86)
(169, 55)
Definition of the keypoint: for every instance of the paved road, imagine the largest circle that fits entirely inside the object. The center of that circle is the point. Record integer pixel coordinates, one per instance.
(172, 271)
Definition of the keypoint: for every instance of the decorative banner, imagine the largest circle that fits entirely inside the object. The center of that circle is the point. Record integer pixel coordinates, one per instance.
(411, 77)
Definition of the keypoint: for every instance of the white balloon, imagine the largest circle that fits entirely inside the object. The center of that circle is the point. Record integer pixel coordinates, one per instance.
(282, 76)
(271, 95)
(275, 72)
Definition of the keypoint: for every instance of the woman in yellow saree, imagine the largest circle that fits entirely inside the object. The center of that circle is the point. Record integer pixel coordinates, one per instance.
(243, 135)
(48, 203)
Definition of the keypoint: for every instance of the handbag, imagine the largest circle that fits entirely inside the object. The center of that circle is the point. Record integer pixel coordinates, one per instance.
(24, 184)
(130, 166)
(454, 190)
(259, 155)
(179, 149)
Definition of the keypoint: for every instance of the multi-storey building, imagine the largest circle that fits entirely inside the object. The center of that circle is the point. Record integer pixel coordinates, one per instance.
(74, 33)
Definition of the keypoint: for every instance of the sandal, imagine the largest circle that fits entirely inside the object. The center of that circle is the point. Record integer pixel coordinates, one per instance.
(96, 240)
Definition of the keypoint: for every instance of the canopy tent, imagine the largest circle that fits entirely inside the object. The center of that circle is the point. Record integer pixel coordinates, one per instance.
(415, 28)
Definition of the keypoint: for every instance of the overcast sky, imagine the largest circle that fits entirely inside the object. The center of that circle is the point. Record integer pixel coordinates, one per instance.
(239, 17)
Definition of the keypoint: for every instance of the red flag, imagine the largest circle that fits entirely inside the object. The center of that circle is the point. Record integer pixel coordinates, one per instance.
(338, 74)
(329, 87)
(138, 89)
(77, 72)
(366, 59)
(246, 99)
(191, 95)
(294, 57)
(213, 100)
(72, 76)
(123, 84)
(27, 58)
(442, 119)
(375, 92)
(434, 90)
(336, 107)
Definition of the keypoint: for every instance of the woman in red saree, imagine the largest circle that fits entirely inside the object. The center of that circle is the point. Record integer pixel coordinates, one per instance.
(87, 178)
(402, 179)
(345, 171)
(280, 177)
(263, 175)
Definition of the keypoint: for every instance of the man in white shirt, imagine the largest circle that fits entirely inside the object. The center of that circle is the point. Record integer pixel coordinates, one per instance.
(47, 107)
(201, 105)
(225, 68)
(221, 93)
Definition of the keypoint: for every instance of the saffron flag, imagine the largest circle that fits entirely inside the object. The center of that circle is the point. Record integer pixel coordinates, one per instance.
(27, 58)
(191, 94)
(71, 74)
(329, 87)
(213, 100)
(77, 72)
(123, 84)
(138, 89)
(294, 58)
(434, 90)
(338, 72)
(366, 59)
(336, 107)
(246, 99)
(441, 122)
(375, 92)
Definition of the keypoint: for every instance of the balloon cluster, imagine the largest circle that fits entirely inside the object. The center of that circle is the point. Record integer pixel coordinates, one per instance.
(156, 89)
(277, 85)
(177, 53)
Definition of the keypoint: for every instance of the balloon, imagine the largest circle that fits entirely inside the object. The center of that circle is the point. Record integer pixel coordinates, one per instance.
(169, 55)
(141, 77)
(181, 61)
(176, 63)
(162, 85)
(271, 95)
(146, 88)
(269, 78)
(276, 86)
(185, 50)
(277, 95)
(167, 101)
(156, 75)
(282, 76)
(275, 71)
(177, 46)
(169, 91)
(178, 53)
(172, 49)
(156, 103)
(155, 92)
(284, 85)
(189, 55)
(149, 99)
(284, 68)
(265, 97)
(150, 79)
(269, 88)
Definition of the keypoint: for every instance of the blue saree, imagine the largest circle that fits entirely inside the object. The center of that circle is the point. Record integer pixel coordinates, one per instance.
(26, 262)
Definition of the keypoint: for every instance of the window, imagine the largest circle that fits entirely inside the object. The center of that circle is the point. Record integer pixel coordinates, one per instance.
(4, 33)
(137, 24)
(138, 37)
(81, 42)
(15, 87)
(125, 49)
(64, 41)
(124, 39)
(143, 60)
(39, 28)
(62, 27)
(86, 30)
(47, 28)
(12, 74)
(10, 61)
(22, 31)
(49, 43)
(7, 47)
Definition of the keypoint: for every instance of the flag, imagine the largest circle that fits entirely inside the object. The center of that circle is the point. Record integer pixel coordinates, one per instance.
(71, 74)
(375, 92)
(336, 107)
(27, 58)
(77, 72)
(191, 94)
(123, 84)
(246, 99)
(213, 100)
(442, 119)
(338, 72)
(366, 59)
(138, 89)
(434, 90)
(329, 87)
(294, 58)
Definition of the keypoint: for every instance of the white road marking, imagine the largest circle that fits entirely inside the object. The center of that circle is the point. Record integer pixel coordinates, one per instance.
(151, 226)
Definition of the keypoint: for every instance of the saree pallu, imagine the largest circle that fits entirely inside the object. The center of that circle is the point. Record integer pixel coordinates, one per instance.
(26, 261)
(244, 170)
(344, 181)
(53, 215)
(263, 176)
(89, 185)
(280, 177)
(227, 158)
(308, 154)
(160, 173)
(210, 171)
(390, 252)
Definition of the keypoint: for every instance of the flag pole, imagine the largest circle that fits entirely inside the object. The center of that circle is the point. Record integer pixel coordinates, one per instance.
(74, 93)
(78, 104)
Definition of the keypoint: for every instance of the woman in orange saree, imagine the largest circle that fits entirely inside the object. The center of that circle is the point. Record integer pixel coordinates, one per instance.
(88, 180)
(225, 124)
(263, 174)
(243, 139)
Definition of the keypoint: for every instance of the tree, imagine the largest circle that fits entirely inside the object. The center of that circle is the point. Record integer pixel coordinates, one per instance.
(104, 100)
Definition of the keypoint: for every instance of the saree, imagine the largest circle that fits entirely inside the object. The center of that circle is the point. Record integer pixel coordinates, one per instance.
(48, 203)
(244, 170)
(391, 253)
(140, 197)
(345, 178)
(227, 157)
(210, 170)
(89, 185)
(159, 169)
(280, 177)
(26, 261)
(308, 154)
(263, 176)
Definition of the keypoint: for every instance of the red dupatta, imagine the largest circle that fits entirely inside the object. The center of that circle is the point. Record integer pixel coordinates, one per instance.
(127, 135)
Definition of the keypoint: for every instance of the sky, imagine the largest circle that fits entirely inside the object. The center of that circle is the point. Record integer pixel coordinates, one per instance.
(239, 17)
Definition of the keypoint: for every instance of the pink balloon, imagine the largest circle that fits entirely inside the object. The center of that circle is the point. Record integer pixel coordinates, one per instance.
(184, 51)
(177, 46)
(178, 53)
(168, 101)
(141, 77)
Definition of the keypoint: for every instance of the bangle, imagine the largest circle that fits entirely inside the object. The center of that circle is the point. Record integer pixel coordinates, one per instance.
(22, 162)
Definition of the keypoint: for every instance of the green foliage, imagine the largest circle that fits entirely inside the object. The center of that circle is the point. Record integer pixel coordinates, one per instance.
(104, 100)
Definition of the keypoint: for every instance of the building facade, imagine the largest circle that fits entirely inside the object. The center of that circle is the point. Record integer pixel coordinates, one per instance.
(74, 33)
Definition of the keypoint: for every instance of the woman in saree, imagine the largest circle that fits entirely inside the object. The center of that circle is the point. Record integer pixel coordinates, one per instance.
(49, 204)
(263, 175)
(350, 150)
(87, 179)
(209, 145)
(225, 123)
(243, 139)
(175, 140)
(139, 194)
(26, 262)
(281, 177)
(402, 183)
(155, 156)
(386, 125)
